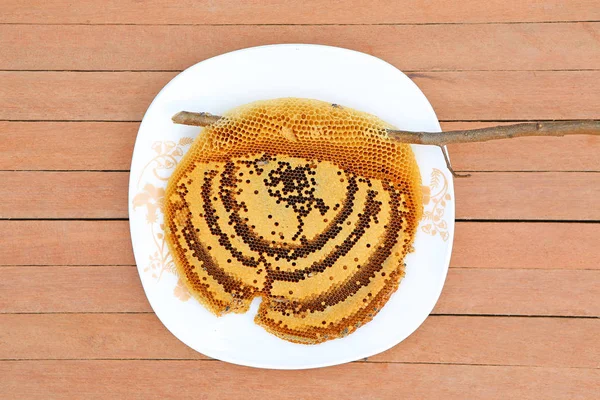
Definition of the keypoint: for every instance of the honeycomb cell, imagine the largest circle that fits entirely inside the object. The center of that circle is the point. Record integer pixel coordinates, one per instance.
(345, 201)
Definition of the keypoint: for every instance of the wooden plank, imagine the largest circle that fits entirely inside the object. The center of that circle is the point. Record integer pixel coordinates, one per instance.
(67, 145)
(541, 342)
(521, 292)
(212, 379)
(63, 194)
(78, 96)
(548, 342)
(65, 243)
(511, 95)
(494, 195)
(290, 12)
(570, 153)
(467, 95)
(467, 291)
(526, 245)
(77, 146)
(457, 47)
(527, 195)
(91, 336)
(72, 289)
(506, 245)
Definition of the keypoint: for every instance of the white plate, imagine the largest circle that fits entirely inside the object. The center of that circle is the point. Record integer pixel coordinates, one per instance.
(331, 74)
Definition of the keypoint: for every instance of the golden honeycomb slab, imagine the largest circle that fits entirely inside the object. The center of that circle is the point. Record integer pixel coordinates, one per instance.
(303, 203)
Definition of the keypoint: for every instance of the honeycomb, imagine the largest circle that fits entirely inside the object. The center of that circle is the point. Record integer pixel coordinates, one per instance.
(306, 204)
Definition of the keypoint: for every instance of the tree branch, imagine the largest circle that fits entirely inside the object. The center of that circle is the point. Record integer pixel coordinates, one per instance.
(554, 128)
(449, 164)
(440, 139)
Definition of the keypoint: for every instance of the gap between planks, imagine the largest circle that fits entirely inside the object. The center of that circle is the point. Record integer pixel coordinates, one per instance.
(578, 21)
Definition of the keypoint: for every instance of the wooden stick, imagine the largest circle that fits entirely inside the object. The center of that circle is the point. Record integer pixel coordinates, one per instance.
(440, 139)
(554, 128)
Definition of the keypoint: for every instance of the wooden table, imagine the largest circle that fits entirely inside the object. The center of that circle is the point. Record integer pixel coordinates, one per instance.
(518, 317)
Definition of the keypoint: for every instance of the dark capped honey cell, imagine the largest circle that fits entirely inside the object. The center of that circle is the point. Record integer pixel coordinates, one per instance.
(305, 204)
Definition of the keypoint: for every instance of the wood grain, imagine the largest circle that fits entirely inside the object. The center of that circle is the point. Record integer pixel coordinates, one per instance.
(115, 96)
(109, 145)
(467, 291)
(63, 194)
(541, 342)
(72, 289)
(463, 96)
(67, 145)
(90, 336)
(518, 317)
(494, 195)
(505, 245)
(511, 95)
(556, 46)
(213, 379)
(520, 292)
(526, 245)
(65, 243)
(294, 12)
(548, 342)
(522, 195)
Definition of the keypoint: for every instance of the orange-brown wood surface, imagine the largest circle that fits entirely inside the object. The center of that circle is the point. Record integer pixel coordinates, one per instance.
(292, 12)
(143, 379)
(409, 47)
(519, 316)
